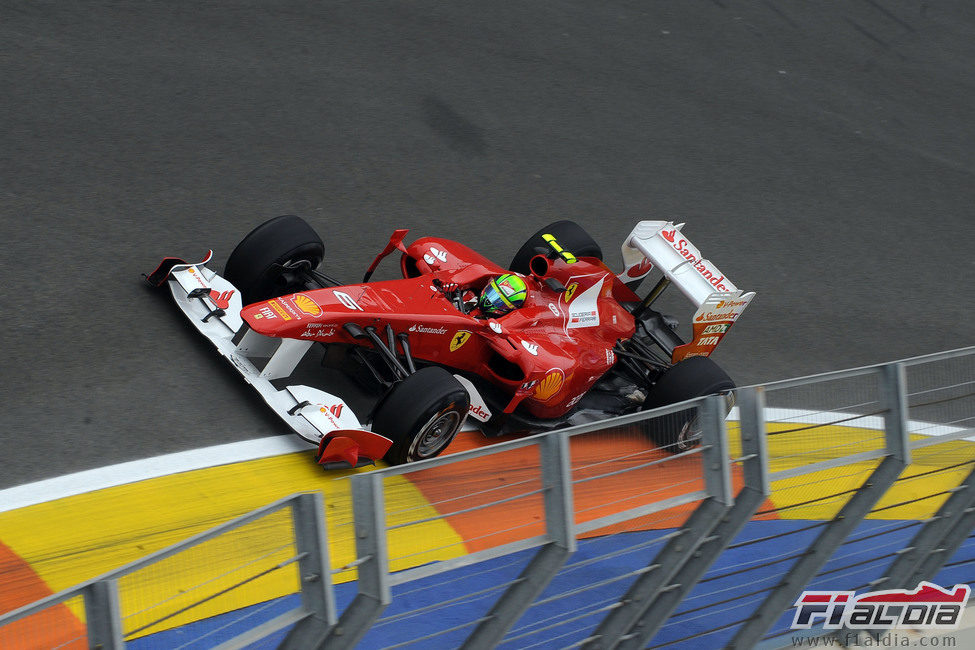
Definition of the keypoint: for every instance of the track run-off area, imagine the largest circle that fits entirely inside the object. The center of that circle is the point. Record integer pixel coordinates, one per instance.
(57, 533)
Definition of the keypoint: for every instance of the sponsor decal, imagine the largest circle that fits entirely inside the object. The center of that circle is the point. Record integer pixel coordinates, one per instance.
(439, 254)
(307, 305)
(926, 607)
(193, 273)
(550, 385)
(264, 312)
(584, 319)
(570, 291)
(459, 338)
(690, 253)
(221, 300)
(555, 310)
(495, 327)
(583, 311)
(420, 329)
(531, 347)
(640, 269)
(719, 328)
(575, 400)
(347, 301)
(428, 258)
(479, 412)
(318, 333)
(708, 340)
(278, 309)
(714, 315)
(610, 357)
(334, 409)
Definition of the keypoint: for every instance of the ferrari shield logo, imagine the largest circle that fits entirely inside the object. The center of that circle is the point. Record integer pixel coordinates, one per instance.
(459, 339)
(570, 291)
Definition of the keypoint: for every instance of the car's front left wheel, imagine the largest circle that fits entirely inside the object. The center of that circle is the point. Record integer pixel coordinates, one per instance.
(421, 415)
(267, 262)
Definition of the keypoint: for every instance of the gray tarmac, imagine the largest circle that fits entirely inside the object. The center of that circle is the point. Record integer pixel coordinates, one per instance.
(822, 154)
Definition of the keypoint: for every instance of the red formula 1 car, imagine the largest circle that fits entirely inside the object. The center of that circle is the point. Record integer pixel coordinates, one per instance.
(580, 345)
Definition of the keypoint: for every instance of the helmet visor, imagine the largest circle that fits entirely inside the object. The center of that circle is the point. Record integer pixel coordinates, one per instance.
(493, 302)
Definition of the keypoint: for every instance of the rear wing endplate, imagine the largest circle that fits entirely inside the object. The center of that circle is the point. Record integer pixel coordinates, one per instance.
(718, 301)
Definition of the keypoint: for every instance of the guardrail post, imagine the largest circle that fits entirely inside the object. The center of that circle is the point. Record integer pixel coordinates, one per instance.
(557, 487)
(782, 596)
(372, 555)
(103, 615)
(656, 610)
(714, 449)
(893, 389)
(317, 597)
(654, 594)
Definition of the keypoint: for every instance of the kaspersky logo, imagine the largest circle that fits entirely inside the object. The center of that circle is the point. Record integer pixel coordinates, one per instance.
(926, 607)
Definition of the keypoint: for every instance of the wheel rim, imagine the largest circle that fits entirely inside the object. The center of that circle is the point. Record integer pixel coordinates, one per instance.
(689, 436)
(435, 434)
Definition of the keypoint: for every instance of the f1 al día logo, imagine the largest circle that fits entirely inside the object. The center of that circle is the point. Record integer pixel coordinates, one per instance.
(927, 607)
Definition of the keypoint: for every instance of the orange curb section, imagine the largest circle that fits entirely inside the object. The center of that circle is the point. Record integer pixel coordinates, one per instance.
(54, 627)
(461, 491)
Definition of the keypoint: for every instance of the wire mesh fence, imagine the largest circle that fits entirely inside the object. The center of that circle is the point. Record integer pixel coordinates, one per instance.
(63, 625)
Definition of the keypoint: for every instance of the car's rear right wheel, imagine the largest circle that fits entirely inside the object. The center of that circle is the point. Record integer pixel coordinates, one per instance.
(569, 235)
(687, 379)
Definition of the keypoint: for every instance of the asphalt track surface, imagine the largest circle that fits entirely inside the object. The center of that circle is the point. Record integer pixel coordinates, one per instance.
(822, 155)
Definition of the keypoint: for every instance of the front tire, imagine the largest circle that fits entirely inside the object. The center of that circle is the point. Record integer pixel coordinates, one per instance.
(687, 379)
(570, 236)
(265, 262)
(421, 415)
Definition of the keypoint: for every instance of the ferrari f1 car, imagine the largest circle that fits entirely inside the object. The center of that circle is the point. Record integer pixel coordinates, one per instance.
(582, 344)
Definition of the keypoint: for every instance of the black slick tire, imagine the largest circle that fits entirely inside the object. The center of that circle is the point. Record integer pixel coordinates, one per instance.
(421, 415)
(255, 266)
(570, 236)
(687, 379)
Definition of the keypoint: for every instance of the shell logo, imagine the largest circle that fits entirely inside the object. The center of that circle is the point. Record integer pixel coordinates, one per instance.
(550, 385)
(307, 305)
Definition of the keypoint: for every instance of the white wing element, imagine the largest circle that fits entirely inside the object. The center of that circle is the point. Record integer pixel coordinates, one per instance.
(662, 244)
(718, 301)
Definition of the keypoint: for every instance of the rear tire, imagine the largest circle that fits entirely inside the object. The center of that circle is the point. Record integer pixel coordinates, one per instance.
(421, 415)
(687, 379)
(570, 236)
(258, 266)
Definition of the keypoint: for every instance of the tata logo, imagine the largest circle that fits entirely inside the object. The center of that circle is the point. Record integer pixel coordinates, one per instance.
(459, 339)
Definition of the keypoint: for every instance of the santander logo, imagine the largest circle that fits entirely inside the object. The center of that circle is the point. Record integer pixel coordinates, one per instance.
(690, 253)
(640, 269)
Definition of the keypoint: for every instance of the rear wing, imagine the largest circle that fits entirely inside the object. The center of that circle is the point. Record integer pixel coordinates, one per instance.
(719, 302)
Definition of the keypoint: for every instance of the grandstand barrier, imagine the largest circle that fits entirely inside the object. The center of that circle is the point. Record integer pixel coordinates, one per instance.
(591, 537)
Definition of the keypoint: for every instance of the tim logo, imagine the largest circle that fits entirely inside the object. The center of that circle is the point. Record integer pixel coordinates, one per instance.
(927, 607)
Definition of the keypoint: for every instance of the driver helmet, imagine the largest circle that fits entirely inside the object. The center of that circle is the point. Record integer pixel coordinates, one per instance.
(502, 294)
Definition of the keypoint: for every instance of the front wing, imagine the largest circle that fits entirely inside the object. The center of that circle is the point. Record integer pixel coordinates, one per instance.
(213, 305)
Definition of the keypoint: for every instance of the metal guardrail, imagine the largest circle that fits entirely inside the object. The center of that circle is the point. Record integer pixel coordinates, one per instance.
(858, 479)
